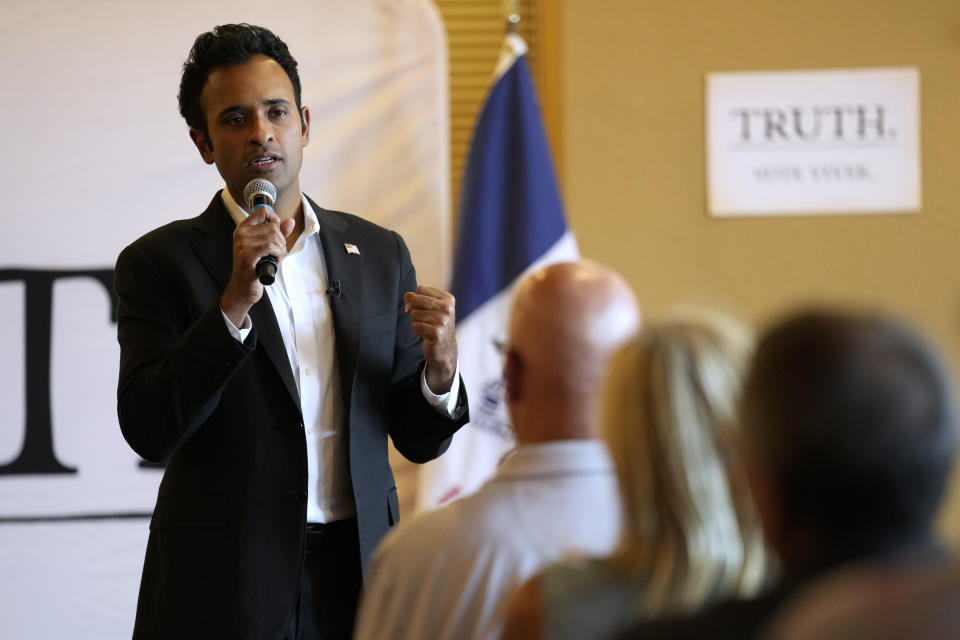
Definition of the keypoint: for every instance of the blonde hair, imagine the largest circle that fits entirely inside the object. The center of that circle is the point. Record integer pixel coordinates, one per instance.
(690, 531)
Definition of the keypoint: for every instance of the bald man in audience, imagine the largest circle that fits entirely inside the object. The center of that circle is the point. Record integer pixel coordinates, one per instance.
(445, 574)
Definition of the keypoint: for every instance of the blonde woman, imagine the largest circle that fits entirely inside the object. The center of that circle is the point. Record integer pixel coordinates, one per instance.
(690, 536)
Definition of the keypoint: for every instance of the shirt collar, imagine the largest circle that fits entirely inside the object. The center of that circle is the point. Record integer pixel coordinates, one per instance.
(560, 456)
(310, 222)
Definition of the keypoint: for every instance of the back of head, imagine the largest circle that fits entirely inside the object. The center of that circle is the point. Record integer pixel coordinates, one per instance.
(224, 46)
(566, 321)
(852, 416)
(690, 534)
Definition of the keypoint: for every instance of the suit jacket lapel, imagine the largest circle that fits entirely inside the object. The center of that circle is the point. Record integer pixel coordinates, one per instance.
(215, 246)
(347, 268)
(270, 340)
(215, 250)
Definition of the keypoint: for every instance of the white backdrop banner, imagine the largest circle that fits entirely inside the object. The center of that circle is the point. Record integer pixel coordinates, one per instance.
(96, 155)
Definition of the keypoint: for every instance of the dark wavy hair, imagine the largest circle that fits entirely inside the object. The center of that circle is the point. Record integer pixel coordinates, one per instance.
(223, 46)
(855, 414)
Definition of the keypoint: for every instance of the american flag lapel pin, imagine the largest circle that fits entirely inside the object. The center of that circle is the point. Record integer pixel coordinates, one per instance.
(351, 248)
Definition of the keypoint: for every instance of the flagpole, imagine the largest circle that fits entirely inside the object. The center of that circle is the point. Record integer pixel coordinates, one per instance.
(512, 15)
(511, 221)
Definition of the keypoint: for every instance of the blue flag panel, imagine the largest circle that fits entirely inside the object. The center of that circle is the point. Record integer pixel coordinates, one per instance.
(510, 207)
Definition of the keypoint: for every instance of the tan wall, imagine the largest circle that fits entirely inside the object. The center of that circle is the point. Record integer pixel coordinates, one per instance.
(633, 162)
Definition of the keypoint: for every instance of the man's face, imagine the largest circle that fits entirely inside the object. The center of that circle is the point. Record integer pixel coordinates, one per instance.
(254, 130)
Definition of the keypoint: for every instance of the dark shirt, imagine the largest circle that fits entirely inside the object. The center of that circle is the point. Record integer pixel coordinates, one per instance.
(743, 619)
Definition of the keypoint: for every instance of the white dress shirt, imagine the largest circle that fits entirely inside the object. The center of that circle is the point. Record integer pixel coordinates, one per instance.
(447, 573)
(302, 308)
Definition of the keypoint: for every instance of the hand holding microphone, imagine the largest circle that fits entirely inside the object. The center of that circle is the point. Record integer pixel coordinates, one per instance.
(260, 193)
(259, 243)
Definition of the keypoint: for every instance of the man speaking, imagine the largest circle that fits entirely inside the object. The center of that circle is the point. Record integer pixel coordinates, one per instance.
(271, 405)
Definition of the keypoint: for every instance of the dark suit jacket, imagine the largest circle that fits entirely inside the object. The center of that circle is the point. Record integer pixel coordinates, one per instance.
(227, 534)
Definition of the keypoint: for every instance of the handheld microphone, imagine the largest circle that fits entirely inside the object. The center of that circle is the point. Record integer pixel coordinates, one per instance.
(335, 290)
(262, 192)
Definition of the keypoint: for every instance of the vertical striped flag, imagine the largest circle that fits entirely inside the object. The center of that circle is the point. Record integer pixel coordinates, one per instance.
(511, 221)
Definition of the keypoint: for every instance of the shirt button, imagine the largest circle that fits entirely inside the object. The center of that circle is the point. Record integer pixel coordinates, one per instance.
(308, 371)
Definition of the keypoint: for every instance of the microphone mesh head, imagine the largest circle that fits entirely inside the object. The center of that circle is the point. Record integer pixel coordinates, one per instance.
(257, 186)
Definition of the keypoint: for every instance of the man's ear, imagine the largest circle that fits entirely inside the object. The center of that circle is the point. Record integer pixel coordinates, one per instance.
(304, 126)
(203, 145)
(513, 377)
(767, 498)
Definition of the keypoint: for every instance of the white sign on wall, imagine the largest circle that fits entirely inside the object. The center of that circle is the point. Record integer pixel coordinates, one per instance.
(813, 142)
